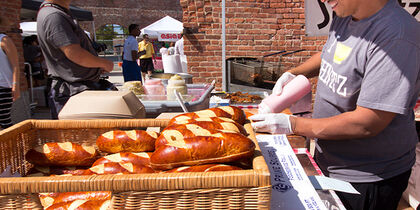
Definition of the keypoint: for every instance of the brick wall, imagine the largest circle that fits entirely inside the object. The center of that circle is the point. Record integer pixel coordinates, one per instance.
(126, 12)
(11, 10)
(253, 28)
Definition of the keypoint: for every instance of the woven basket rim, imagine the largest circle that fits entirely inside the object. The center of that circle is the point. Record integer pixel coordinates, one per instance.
(259, 176)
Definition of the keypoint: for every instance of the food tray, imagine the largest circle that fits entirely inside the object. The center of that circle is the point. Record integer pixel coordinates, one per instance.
(253, 105)
(247, 189)
(198, 98)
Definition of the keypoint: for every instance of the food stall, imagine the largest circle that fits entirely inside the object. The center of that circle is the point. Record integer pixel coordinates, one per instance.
(28, 184)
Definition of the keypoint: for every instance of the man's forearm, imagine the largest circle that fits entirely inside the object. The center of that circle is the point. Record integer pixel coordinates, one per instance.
(360, 123)
(309, 68)
(82, 57)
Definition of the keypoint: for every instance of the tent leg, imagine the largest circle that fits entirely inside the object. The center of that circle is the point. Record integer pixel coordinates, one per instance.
(94, 31)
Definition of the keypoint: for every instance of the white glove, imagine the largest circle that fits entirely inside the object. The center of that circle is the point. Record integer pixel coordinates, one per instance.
(272, 123)
(282, 81)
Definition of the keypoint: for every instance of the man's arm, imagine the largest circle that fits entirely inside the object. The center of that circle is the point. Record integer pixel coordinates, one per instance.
(309, 68)
(10, 49)
(360, 123)
(82, 57)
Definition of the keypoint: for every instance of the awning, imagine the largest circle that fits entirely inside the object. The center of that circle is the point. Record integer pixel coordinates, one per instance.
(165, 29)
(30, 8)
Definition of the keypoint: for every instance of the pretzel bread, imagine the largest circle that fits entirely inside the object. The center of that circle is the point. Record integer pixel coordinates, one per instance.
(48, 199)
(204, 168)
(209, 125)
(226, 147)
(142, 158)
(82, 204)
(210, 119)
(176, 133)
(118, 168)
(231, 112)
(127, 141)
(62, 154)
(49, 170)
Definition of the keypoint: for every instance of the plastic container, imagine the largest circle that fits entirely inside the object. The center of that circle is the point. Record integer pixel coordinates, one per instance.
(154, 87)
(197, 98)
(178, 84)
(292, 92)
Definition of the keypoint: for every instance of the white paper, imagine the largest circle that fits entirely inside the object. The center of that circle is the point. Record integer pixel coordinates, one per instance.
(326, 183)
(291, 188)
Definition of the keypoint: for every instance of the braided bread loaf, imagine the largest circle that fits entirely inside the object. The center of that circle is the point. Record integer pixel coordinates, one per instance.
(127, 141)
(118, 168)
(179, 132)
(48, 170)
(142, 158)
(231, 112)
(62, 154)
(49, 199)
(82, 204)
(219, 148)
(204, 168)
(209, 125)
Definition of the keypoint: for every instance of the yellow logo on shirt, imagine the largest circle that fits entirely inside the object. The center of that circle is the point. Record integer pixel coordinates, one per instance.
(341, 53)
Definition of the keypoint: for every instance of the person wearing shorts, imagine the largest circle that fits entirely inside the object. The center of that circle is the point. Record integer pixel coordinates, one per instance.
(146, 60)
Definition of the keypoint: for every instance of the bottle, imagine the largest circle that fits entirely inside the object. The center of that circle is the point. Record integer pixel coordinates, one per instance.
(292, 92)
(176, 83)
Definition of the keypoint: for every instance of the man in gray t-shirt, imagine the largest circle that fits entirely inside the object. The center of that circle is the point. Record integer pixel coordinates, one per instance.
(367, 87)
(71, 60)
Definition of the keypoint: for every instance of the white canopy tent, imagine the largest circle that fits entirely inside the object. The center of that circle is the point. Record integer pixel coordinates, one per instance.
(165, 29)
(29, 28)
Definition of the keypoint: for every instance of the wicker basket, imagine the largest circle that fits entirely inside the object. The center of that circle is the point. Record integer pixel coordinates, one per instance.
(247, 189)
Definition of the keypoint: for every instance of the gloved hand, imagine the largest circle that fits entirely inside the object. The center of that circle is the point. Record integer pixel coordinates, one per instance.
(272, 123)
(282, 81)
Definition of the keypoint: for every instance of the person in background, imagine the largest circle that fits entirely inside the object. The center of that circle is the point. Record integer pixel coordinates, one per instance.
(179, 46)
(9, 75)
(33, 55)
(71, 60)
(171, 49)
(163, 50)
(131, 70)
(368, 83)
(146, 62)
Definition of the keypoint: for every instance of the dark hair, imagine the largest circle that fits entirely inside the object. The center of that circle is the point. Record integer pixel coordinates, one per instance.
(30, 39)
(144, 36)
(131, 27)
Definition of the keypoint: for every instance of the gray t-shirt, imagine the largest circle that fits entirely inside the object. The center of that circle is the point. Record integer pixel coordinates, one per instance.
(57, 29)
(373, 63)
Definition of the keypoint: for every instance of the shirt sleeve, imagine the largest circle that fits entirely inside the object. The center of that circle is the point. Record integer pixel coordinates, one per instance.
(140, 46)
(391, 77)
(60, 31)
(134, 46)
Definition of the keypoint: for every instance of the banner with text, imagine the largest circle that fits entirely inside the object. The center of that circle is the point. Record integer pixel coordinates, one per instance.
(169, 37)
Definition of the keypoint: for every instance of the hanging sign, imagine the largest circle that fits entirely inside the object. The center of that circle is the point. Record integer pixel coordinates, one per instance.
(169, 37)
(319, 15)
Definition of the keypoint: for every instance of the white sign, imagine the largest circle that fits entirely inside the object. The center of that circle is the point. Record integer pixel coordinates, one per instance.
(319, 15)
(291, 188)
(169, 37)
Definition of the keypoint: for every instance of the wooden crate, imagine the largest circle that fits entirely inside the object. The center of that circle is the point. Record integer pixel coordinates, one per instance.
(248, 189)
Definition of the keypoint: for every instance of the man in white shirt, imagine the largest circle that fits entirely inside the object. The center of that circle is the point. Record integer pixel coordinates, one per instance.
(131, 70)
(179, 50)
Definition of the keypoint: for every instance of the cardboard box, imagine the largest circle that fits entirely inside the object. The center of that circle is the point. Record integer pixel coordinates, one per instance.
(103, 105)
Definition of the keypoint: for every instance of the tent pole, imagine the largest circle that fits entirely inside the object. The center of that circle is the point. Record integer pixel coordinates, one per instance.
(225, 85)
(94, 31)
